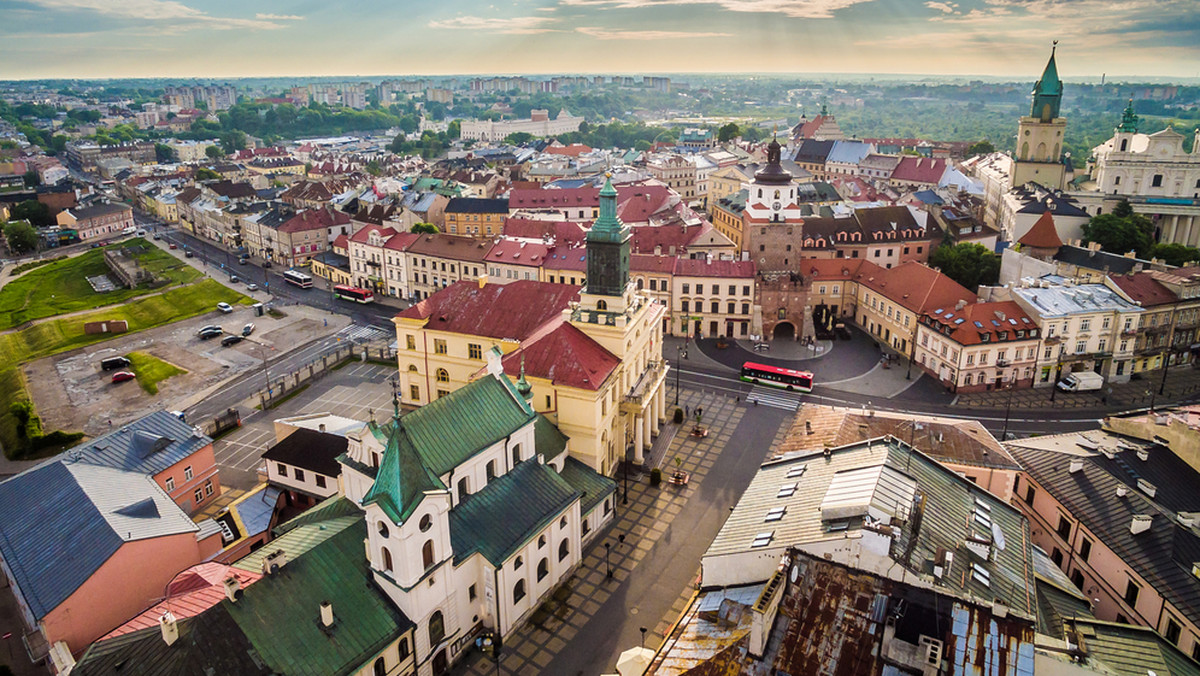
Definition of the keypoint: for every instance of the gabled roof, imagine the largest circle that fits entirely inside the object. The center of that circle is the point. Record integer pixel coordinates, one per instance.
(314, 219)
(696, 267)
(528, 228)
(813, 152)
(311, 450)
(919, 169)
(513, 252)
(454, 247)
(476, 205)
(100, 209)
(511, 509)
(564, 356)
(403, 477)
(189, 593)
(1144, 289)
(590, 484)
(514, 310)
(149, 445)
(968, 326)
(1043, 234)
(548, 440)
(61, 521)
(363, 235)
(918, 287)
(280, 614)
(1130, 650)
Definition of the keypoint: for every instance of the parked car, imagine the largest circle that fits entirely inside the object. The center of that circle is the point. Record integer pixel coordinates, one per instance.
(210, 327)
(188, 254)
(248, 329)
(210, 333)
(122, 376)
(266, 264)
(230, 340)
(243, 261)
(233, 279)
(157, 236)
(1081, 381)
(172, 245)
(252, 287)
(225, 307)
(141, 233)
(114, 363)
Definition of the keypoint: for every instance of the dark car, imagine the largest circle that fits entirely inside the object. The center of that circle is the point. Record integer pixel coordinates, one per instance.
(122, 376)
(188, 254)
(210, 333)
(114, 363)
(266, 264)
(243, 261)
(230, 340)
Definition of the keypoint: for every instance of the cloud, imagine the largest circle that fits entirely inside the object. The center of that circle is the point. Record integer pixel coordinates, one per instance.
(607, 34)
(156, 10)
(807, 9)
(278, 17)
(944, 7)
(523, 25)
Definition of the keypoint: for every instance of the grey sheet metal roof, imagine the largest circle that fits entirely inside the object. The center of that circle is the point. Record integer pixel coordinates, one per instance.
(946, 518)
(1061, 301)
(60, 521)
(148, 445)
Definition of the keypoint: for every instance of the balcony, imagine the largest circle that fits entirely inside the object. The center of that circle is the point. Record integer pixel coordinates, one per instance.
(646, 385)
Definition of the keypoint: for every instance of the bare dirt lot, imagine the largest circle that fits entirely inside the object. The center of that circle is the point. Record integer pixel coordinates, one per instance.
(72, 392)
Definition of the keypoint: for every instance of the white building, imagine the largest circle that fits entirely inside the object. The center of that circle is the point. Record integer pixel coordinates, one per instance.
(538, 125)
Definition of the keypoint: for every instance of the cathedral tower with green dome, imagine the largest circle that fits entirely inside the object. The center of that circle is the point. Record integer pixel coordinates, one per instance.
(1039, 154)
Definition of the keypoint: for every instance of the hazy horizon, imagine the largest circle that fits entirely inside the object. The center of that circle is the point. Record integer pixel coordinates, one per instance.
(91, 39)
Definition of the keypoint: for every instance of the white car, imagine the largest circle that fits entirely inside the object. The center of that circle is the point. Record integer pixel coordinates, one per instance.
(225, 307)
(252, 287)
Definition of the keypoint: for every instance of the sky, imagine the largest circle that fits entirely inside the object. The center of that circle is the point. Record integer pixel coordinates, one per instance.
(236, 38)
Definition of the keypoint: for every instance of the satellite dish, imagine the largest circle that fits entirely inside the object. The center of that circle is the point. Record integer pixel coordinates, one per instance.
(795, 573)
(998, 536)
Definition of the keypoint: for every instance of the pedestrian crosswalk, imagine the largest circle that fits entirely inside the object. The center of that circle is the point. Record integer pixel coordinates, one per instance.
(767, 396)
(365, 334)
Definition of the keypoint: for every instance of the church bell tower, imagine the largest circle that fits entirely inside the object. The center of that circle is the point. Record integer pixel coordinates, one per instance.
(1040, 135)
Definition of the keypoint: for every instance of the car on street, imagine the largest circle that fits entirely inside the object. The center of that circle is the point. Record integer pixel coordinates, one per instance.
(248, 329)
(157, 236)
(210, 327)
(252, 287)
(172, 245)
(233, 279)
(230, 340)
(188, 254)
(210, 333)
(122, 376)
(266, 264)
(225, 307)
(114, 363)
(141, 233)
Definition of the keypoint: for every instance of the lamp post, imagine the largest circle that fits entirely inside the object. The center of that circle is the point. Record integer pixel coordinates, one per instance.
(607, 565)
(1008, 408)
(625, 478)
(1162, 385)
(680, 352)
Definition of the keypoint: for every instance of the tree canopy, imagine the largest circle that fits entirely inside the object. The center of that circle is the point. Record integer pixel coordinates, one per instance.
(424, 228)
(21, 236)
(1175, 254)
(33, 211)
(968, 264)
(981, 148)
(1121, 231)
(728, 132)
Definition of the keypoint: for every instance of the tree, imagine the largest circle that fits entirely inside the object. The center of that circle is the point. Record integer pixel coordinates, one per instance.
(968, 264)
(409, 123)
(206, 174)
(1175, 254)
(164, 153)
(518, 138)
(454, 129)
(233, 141)
(214, 152)
(728, 132)
(1120, 235)
(1123, 209)
(32, 180)
(33, 211)
(373, 168)
(424, 228)
(983, 147)
(21, 236)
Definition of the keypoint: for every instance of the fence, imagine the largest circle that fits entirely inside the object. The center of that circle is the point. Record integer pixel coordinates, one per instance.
(279, 387)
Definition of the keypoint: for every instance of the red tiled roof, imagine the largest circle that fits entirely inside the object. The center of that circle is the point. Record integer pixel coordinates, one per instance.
(518, 253)
(637, 203)
(314, 219)
(364, 234)
(564, 258)
(917, 287)
(531, 228)
(919, 169)
(652, 263)
(504, 311)
(695, 267)
(1144, 289)
(451, 246)
(564, 356)
(1043, 234)
(553, 199)
(573, 150)
(677, 235)
(992, 319)
(190, 593)
(401, 241)
(341, 242)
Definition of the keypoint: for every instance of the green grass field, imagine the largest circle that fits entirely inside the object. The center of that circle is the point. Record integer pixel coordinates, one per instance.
(62, 286)
(12, 388)
(151, 370)
(60, 335)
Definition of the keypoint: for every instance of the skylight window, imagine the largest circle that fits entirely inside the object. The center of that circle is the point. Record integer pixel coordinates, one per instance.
(763, 539)
(776, 514)
(786, 491)
(796, 471)
(978, 325)
(980, 575)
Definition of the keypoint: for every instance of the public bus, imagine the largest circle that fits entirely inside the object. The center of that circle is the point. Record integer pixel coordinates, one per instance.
(354, 293)
(298, 279)
(774, 376)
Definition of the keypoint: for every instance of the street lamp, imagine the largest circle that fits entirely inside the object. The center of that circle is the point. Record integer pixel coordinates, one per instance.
(607, 565)
(680, 352)
(625, 478)
(1008, 407)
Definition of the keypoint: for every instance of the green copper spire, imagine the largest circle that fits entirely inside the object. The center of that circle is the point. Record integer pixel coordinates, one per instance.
(1047, 93)
(523, 386)
(608, 247)
(608, 223)
(1129, 119)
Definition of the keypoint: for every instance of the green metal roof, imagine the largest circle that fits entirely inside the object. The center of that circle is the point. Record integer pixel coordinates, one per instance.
(280, 614)
(1129, 119)
(1047, 93)
(1133, 651)
(608, 226)
(297, 541)
(497, 520)
(593, 486)
(548, 439)
(403, 478)
(332, 507)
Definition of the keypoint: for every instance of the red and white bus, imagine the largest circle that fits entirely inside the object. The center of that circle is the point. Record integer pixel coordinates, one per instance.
(774, 376)
(354, 293)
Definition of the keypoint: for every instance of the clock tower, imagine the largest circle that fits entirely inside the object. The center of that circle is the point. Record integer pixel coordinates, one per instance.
(1040, 134)
(608, 244)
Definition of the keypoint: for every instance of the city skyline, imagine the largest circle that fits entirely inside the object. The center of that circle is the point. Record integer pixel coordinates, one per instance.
(176, 38)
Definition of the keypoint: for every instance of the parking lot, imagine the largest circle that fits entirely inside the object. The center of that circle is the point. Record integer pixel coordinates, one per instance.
(72, 392)
(354, 391)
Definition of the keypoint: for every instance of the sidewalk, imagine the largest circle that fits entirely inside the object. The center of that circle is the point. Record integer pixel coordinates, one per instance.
(1183, 383)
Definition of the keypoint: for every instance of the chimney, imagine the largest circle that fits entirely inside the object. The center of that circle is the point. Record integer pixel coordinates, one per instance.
(1140, 524)
(232, 588)
(169, 627)
(960, 304)
(326, 614)
(482, 281)
(1076, 465)
(273, 562)
(321, 427)
(1143, 454)
(1122, 491)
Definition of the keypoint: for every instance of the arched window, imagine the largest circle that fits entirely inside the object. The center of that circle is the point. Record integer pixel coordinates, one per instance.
(564, 548)
(1124, 144)
(601, 305)
(639, 283)
(387, 560)
(383, 529)
(516, 451)
(402, 648)
(518, 591)
(412, 368)
(1041, 152)
(437, 628)
(427, 555)
(1025, 150)
(380, 667)
(443, 376)
(464, 489)
(518, 562)
(543, 569)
